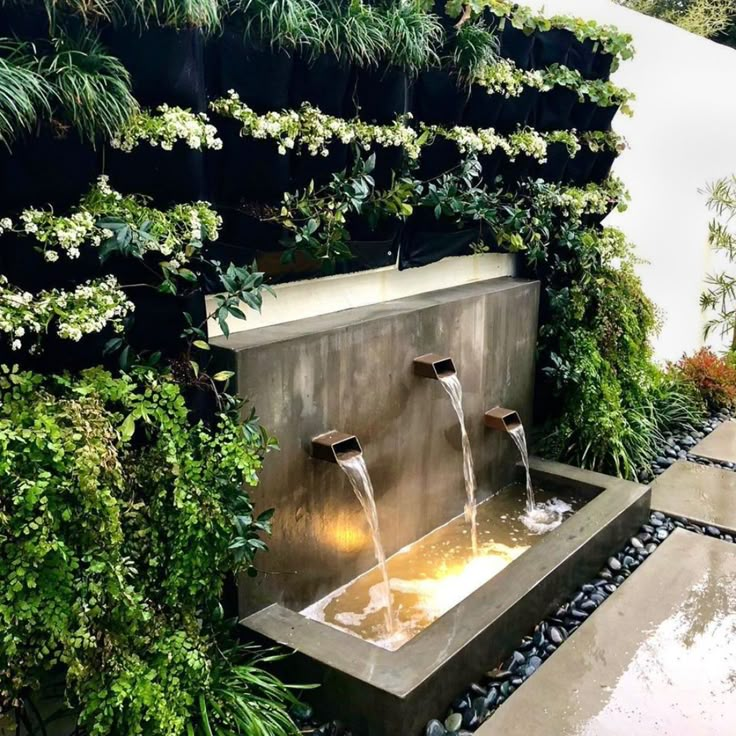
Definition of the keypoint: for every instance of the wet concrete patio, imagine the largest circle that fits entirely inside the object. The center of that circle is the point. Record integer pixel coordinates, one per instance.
(720, 445)
(659, 656)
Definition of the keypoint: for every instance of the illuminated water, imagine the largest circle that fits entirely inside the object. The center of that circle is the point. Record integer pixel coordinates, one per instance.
(454, 389)
(432, 575)
(353, 465)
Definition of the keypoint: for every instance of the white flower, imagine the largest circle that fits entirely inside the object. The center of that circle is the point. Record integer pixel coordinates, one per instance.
(16, 345)
(51, 256)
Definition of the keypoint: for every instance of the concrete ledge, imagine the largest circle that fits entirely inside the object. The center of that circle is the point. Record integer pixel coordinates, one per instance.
(381, 693)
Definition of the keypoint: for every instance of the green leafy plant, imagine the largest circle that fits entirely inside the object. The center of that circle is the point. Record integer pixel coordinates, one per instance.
(412, 36)
(286, 24)
(473, 47)
(720, 297)
(119, 521)
(91, 89)
(24, 93)
(353, 31)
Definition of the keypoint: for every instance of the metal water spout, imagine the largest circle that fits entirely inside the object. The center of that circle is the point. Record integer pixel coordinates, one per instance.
(503, 420)
(434, 366)
(333, 446)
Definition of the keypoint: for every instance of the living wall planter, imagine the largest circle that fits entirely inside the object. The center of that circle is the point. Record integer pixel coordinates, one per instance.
(554, 109)
(517, 46)
(167, 177)
(325, 82)
(578, 167)
(491, 166)
(438, 99)
(261, 75)
(582, 115)
(483, 108)
(581, 56)
(247, 169)
(427, 239)
(388, 161)
(602, 65)
(382, 95)
(319, 169)
(603, 117)
(553, 169)
(602, 165)
(165, 65)
(513, 171)
(46, 170)
(438, 158)
(518, 111)
(159, 320)
(551, 47)
(25, 266)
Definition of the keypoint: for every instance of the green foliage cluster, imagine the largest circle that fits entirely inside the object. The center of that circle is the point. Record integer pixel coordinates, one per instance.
(118, 521)
(67, 81)
(715, 19)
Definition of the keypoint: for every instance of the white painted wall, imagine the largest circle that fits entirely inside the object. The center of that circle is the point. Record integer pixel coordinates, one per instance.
(682, 135)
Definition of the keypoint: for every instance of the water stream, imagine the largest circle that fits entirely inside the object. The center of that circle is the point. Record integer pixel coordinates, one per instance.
(353, 465)
(451, 384)
(538, 518)
(519, 437)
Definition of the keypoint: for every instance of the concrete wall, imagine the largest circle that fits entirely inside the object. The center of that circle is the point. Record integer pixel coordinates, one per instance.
(682, 135)
(352, 371)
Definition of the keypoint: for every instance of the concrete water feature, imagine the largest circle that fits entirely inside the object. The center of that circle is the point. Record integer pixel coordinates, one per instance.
(354, 371)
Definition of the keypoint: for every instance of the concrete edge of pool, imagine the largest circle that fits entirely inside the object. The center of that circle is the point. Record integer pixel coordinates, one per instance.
(382, 693)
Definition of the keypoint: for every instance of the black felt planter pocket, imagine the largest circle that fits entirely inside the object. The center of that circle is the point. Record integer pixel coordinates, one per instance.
(261, 75)
(517, 46)
(516, 170)
(437, 158)
(603, 117)
(69, 355)
(582, 115)
(382, 95)
(602, 64)
(427, 240)
(483, 108)
(517, 111)
(553, 169)
(248, 169)
(554, 109)
(491, 165)
(167, 177)
(578, 168)
(389, 160)
(319, 169)
(24, 21)
(551, 47)
(581, 56)
(602, 165)
(166, 65)
(438, 99)
(325, 83)
(159, 319)
(25, 266)
(46, 171)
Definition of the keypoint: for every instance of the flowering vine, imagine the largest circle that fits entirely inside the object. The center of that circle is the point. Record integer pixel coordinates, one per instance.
(165, 127)
(73, 314)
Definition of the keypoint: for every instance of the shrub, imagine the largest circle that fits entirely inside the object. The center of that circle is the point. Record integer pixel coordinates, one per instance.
(119, 520)
(713, 377)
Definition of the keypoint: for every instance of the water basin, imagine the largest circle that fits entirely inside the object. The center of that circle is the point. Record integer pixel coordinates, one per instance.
(435, 573)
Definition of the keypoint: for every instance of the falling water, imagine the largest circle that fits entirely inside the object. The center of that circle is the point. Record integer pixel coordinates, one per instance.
(451, 384)
(353, 465)
(519, 437)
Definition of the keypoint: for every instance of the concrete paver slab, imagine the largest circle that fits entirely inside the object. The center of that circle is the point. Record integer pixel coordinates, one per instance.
(697, 492)
(659, 656)
(719, 445)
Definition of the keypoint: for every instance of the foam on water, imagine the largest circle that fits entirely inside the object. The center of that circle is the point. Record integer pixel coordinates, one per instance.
(545, 516)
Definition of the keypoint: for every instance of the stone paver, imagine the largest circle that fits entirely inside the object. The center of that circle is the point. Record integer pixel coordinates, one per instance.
(701, 493)
(659, 656)
(719, 445)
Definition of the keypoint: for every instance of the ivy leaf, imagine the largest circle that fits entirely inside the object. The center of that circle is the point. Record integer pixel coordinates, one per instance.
(201, 344)
(223, 375)
(127, 428)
